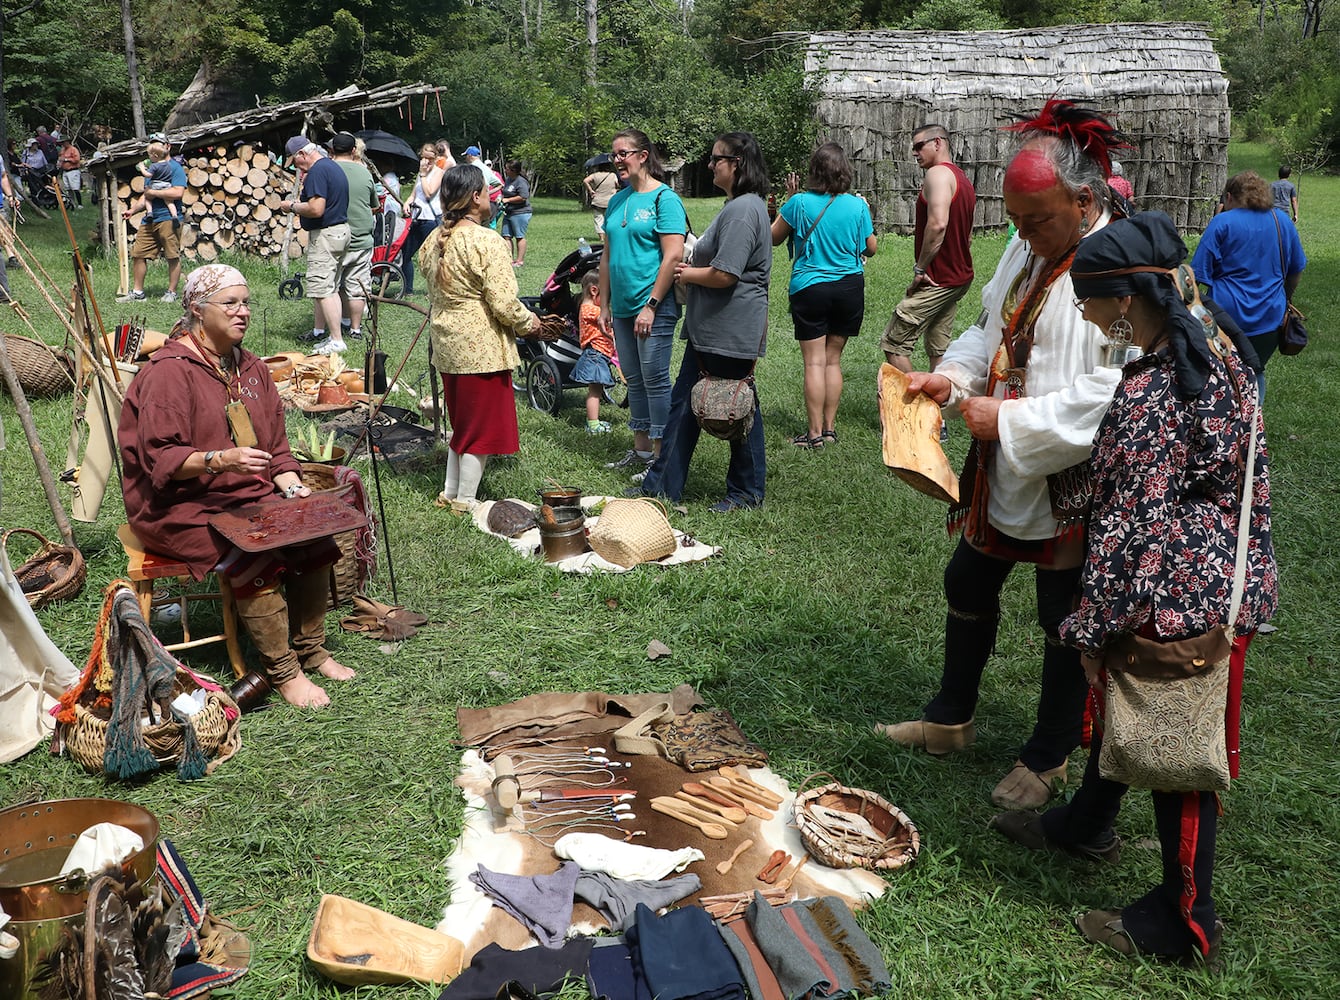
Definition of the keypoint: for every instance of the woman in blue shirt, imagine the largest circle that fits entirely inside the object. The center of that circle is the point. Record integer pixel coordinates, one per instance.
(832, 235)
(1250, 259)
(644, 240)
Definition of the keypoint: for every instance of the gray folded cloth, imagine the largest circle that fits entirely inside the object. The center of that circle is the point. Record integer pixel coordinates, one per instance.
(797, 972)
(542, 903)
(618, 898)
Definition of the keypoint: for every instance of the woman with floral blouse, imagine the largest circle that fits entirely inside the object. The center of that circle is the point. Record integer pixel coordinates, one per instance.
(476, 318)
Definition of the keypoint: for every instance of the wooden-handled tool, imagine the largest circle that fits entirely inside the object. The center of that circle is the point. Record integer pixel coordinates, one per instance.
(711, 794)
(739, 775)
(699, 814)
(506, 787)
(740, 791)
(725, 789)
(725, 866)
(732, 813)
(713, 831)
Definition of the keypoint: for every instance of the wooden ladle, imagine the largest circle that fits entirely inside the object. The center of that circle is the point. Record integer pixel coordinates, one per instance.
(725, 866)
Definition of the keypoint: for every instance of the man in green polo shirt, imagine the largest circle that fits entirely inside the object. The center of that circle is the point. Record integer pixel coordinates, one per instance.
(356, 264)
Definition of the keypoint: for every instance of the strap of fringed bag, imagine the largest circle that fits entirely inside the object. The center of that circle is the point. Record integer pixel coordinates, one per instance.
(1244, 524)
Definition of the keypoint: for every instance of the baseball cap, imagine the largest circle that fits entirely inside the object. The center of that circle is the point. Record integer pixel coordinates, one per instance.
(296, 145)
(471, 151)
(342, 142)
(158, 137)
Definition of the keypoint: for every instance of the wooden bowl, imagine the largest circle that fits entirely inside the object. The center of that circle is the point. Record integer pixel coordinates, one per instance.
(356, 944)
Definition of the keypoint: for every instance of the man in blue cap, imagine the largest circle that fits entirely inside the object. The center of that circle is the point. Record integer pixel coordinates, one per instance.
(492, 181)
(323, 211)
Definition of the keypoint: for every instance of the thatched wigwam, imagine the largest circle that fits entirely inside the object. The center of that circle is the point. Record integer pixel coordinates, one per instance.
(1160, 83)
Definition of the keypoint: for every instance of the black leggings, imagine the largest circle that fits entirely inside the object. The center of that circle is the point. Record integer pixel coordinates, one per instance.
(973, 582)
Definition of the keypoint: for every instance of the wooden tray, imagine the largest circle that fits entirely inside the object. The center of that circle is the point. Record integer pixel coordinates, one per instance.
(278, 523)
(356, 944)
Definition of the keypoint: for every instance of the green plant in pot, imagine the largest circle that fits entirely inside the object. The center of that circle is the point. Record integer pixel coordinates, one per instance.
(310, 446)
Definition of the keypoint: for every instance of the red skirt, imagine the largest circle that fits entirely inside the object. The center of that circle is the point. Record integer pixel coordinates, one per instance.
(482, 409)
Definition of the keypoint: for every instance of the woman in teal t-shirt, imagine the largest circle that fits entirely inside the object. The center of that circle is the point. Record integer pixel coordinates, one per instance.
(832, 234)
(644, 240)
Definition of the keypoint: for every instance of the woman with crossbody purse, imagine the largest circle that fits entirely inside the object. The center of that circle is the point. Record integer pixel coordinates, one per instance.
(833, 234)
(1178, 471)
(726, 323)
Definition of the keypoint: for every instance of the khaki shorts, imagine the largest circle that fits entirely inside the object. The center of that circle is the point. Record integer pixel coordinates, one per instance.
(356, 273)
(929, 312)
(325, 253)
(153, 237)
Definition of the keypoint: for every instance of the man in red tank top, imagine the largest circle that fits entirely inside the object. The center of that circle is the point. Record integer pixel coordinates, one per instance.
(942, 271)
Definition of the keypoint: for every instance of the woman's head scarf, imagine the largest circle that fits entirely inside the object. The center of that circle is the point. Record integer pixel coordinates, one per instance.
(202, 283)
(1140, 256)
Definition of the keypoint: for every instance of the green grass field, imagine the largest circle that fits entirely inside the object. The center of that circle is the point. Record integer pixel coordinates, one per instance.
(823, 615)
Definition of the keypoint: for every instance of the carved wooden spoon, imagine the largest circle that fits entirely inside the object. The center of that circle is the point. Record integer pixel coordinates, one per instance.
(725, 866)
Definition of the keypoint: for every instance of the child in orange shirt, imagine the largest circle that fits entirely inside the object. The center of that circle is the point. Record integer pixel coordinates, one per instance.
(593, 366)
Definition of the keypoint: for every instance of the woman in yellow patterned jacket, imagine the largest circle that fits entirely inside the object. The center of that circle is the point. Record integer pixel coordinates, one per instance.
(476, 318)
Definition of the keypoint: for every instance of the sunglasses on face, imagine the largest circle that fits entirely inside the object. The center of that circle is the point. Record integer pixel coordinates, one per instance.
(916, 146)
(714, 159)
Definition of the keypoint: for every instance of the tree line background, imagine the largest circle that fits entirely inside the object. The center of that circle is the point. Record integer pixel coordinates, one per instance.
(550, 81)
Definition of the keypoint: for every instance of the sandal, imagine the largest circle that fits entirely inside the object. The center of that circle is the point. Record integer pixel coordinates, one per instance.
(830, 436)
(803, 440)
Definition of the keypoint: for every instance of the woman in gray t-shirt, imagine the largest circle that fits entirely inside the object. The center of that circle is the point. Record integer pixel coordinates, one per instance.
(726, 322)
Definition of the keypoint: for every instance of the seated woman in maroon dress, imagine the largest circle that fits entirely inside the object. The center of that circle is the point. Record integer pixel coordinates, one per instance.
(184, 413)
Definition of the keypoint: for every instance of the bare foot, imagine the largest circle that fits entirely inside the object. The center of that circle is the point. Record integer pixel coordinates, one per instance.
(335, 671)
(302, 693)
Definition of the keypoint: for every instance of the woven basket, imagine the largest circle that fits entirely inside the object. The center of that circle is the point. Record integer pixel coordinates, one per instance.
(348, 581)
(853, 828)
(54, 573)
(632, 531)
(42, 370)
(219, 738)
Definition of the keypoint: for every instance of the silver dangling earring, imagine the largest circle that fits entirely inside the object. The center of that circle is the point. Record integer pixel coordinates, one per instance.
(1120, 332)
(1083, 225)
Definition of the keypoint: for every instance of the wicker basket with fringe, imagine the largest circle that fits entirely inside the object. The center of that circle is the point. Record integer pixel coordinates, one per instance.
(320, 478)
(53, 573)
(853, 828)
(632, 531)
(43, 371)
(219, 738)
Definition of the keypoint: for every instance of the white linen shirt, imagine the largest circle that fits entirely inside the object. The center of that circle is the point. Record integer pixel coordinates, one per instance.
(1066, 392)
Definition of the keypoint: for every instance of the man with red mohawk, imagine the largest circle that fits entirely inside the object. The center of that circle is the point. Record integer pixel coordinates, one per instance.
(1031, 379)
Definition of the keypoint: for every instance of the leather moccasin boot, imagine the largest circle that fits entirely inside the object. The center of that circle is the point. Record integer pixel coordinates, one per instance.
(1024, 788)
(933, 737)
(1024, 827)
(1105, 927)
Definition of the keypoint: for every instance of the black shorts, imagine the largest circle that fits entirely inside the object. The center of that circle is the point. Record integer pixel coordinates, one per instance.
(829, 307)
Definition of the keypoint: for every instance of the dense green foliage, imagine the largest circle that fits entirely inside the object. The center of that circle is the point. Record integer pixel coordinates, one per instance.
(516, 74)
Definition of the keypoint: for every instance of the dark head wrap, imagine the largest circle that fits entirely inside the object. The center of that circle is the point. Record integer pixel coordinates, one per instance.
(1138, 256)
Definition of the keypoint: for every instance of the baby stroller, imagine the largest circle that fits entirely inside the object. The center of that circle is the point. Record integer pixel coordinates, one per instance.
(546, 366)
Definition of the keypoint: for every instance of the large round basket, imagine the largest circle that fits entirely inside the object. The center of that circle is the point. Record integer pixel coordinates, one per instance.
(629, 532)
(852, 827)
(218, 736)
(54, 572)
(348, 578)
(43, 371)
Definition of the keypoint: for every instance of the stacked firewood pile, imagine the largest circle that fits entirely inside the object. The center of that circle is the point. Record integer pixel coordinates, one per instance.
(232, 203)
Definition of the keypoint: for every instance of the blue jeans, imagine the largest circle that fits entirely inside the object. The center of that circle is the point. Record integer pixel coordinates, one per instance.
(748, 466)
(419, 230)
(645, 363)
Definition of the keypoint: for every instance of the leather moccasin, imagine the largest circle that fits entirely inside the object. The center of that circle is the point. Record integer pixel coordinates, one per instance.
(933, 737)
(1024, 788)
(1024, 827)
(1105, 927)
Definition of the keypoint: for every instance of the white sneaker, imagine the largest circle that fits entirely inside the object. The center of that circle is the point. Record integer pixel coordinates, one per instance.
(330, 346)
(169, 297)
(132, 297)
(637, 477)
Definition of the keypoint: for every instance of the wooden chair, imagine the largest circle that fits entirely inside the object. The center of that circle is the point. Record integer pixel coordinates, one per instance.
(144, 567)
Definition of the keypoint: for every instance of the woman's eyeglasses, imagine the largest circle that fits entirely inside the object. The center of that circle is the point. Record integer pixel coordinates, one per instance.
(714, 159)
(232, 308)
(619, 155)
(1080, 303)
(916, 146)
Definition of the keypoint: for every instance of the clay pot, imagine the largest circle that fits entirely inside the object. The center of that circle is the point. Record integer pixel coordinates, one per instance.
(332, 394)
(281, 367)
(351, 380)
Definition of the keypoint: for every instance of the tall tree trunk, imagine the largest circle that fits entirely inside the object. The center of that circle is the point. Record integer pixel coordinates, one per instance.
(592, 43)
(133, 71)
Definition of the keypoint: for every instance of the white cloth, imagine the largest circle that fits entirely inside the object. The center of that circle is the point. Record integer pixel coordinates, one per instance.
(33, 672)
(9, 944)
(595, 852)
(430, 209)
(100, 846)
(1066, 393)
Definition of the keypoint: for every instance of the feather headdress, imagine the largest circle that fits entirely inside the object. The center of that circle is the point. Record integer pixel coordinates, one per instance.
(1088, 130)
